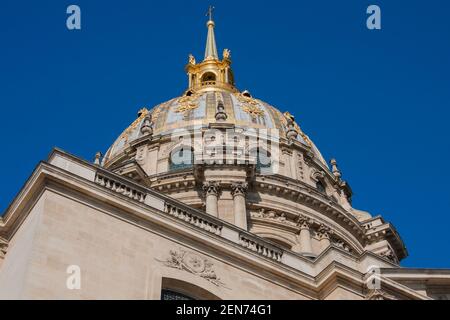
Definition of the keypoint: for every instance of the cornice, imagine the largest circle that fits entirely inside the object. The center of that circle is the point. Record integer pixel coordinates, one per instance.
(304, 194)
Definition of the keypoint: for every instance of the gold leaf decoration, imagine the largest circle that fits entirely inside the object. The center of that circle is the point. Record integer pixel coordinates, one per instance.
(250, 106)
(187, 103)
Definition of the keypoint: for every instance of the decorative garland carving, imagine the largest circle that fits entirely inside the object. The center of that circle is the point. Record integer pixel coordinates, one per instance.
(274, 216)
(250, 106)
(378, 294)
(192, 263)
(187, 103)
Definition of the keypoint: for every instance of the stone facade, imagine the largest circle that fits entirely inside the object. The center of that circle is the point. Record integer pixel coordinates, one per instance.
(131, 242)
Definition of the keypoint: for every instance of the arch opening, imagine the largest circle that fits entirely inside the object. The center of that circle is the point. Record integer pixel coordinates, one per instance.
(209, 78)
(175, 289)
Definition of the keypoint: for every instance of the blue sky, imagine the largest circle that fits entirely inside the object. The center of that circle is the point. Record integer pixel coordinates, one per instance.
(378, 101)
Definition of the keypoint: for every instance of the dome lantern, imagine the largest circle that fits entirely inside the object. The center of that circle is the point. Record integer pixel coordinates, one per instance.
(212, 73)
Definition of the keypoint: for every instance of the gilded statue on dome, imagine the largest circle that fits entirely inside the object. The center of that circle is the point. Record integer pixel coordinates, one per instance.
(187, 103)
(226, 54)
(250, 106)
(192, 59)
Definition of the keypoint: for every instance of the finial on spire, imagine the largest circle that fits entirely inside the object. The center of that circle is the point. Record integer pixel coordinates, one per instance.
(211, 48)
(210, 12)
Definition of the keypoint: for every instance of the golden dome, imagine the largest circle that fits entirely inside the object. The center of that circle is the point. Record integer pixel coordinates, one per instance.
(198, 111)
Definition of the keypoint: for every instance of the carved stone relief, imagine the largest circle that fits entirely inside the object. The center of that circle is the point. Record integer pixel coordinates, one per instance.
(192, 263)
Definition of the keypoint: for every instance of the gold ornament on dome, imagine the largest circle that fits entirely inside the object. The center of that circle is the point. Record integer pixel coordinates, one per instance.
(226, 54)
(250, 106)
(192, 60)
(141, 115)
(252, 110)
(187, 103)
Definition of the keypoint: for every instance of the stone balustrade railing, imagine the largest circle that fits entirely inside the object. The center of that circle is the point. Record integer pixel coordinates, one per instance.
(191, 216)
(164, 205)
(120, 187)
(261, 247)
(193, 219)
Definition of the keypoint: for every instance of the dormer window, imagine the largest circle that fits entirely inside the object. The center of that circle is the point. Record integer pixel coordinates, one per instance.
(320, 187)
(247, 94)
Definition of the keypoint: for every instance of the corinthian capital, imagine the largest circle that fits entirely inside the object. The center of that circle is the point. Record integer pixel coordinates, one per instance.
(239, 188)
(211, 188)
(324, 232)
(304, 222)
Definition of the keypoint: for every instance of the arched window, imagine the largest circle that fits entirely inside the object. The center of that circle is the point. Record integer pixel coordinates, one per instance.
(173, 295)
(174, 289)
(320, 187)
(208, 77)
(181, 158)
(263, 159)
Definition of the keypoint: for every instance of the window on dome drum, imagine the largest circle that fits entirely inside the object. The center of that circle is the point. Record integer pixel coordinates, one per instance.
(263, 160)
(320, 187)
(182, 158)
(173, 295)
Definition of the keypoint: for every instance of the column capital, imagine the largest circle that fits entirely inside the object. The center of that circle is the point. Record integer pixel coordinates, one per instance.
(304, 222)
(324, 232)
(211, 188)
(239, 188)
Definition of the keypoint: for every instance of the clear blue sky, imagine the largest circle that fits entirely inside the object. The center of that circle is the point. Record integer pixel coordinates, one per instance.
(378, 101)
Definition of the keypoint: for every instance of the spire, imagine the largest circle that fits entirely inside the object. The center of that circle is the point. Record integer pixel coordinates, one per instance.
(211, 48)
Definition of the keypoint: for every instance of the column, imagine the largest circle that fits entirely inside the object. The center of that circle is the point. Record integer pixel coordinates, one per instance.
(304, 238)
(226, 76)
(212, 189)
(238, 191)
